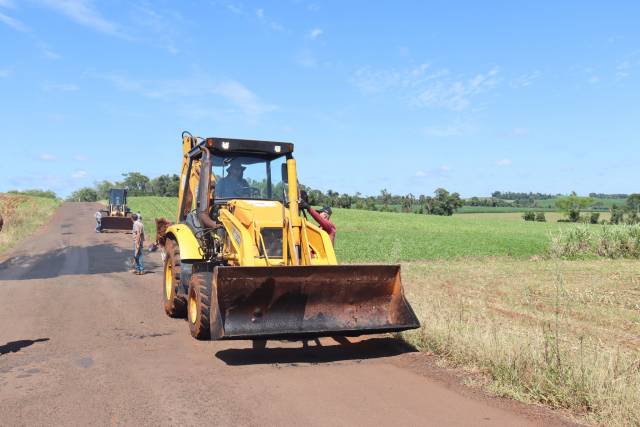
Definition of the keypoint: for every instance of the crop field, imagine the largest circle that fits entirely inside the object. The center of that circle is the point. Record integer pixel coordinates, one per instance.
(607, 203)
(366, 236)
(22, 215)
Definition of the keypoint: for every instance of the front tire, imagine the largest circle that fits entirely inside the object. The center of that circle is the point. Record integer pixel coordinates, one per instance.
(174, 303)
(199, 305)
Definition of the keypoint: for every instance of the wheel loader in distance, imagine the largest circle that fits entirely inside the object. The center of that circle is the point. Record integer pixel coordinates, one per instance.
(242, 263)
(117, 216)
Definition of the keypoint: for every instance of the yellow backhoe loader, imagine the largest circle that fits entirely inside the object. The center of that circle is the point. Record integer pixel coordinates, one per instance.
(242, 263)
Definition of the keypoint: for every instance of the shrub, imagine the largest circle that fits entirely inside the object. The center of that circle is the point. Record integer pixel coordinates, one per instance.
(529, 216)
(595, 216)
(540, 217)
(608, 241)
(574, 215)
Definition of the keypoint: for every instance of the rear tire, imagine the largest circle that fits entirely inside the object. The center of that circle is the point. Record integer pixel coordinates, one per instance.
(199, 305)
(175, 305)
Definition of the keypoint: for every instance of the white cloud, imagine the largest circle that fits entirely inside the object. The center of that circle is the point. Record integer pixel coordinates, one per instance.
(593, 80)
(199, 87)
(80, 158)
(515, 132)
(83, 13)
(524, 80)
(423, 87)
(315, 33)
(243, 98)
(79, 174)
(7, 4)
(504, 162)
(60, 87)
(13, 23)
(47, 157)
(262, 17)
(4, 72)
(421, 174)
(160, 28)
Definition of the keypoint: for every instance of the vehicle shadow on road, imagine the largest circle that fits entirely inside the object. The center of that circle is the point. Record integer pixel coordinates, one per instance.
(16, 346)
(71, 260)
(366, 349)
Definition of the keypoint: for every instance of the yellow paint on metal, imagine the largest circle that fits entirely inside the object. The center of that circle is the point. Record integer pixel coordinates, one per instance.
(189, 247)
(168, 279)
(193, 309)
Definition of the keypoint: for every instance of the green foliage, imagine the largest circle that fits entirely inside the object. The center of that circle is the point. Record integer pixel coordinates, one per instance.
(137, 183)
(594, 217)
(572, 202)
(529, 216)
(633, 203)
(165, 185)
(85, 194)
(102, 189)
(617, 215)
(443, 203)
(608, 241)
(540, 217)
(35, 193)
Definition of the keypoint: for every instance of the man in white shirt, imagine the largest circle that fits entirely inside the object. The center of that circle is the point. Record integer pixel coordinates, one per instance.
(138, 244)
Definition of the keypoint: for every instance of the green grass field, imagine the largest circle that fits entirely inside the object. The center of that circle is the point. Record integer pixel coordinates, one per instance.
(366, 236)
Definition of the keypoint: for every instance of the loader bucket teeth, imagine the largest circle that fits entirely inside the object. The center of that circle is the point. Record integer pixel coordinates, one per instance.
(308, 301)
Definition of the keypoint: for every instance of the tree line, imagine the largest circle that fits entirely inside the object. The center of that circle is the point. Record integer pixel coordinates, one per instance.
(441, 203)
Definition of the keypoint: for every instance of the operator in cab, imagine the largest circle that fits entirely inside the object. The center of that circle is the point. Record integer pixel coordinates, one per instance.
(233, 185)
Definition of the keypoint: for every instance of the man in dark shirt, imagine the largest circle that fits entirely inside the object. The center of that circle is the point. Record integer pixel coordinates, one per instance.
(322, 217)
(233, 185)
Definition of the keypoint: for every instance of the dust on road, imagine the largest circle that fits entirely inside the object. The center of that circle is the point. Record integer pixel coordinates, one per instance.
(85, 342)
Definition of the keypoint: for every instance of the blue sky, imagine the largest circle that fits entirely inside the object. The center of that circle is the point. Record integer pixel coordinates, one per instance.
(404, 95)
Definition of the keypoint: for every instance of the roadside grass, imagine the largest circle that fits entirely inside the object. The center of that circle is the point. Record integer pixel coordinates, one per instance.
(23, 215)
(562, 333)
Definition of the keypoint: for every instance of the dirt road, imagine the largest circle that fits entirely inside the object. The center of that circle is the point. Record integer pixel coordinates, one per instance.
(85, 342)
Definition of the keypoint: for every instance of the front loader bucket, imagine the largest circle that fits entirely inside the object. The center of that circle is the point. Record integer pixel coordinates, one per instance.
(116, 223)
(308, 301)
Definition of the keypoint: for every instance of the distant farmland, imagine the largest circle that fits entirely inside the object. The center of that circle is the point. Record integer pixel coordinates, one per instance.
(371, 236)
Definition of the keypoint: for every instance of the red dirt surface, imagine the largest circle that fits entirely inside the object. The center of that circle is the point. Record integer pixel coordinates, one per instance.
(85, 342)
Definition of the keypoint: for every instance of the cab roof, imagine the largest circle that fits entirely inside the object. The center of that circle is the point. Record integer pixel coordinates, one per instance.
(226, 146)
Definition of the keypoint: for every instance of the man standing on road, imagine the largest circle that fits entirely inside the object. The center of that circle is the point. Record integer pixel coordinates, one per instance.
(138, 244)
(322, 217)
(98, 222)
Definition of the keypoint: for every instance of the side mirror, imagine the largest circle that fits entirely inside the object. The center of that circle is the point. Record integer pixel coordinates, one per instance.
(285, 174)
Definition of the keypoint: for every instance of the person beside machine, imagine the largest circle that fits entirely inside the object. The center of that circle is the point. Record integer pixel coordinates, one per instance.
(322, 217)
(98, 222)
(138, 244)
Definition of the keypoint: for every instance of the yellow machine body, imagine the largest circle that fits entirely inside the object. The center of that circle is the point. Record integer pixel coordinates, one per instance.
(271, 272)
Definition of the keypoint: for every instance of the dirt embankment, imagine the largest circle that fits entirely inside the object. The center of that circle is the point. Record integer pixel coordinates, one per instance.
(21, 215)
